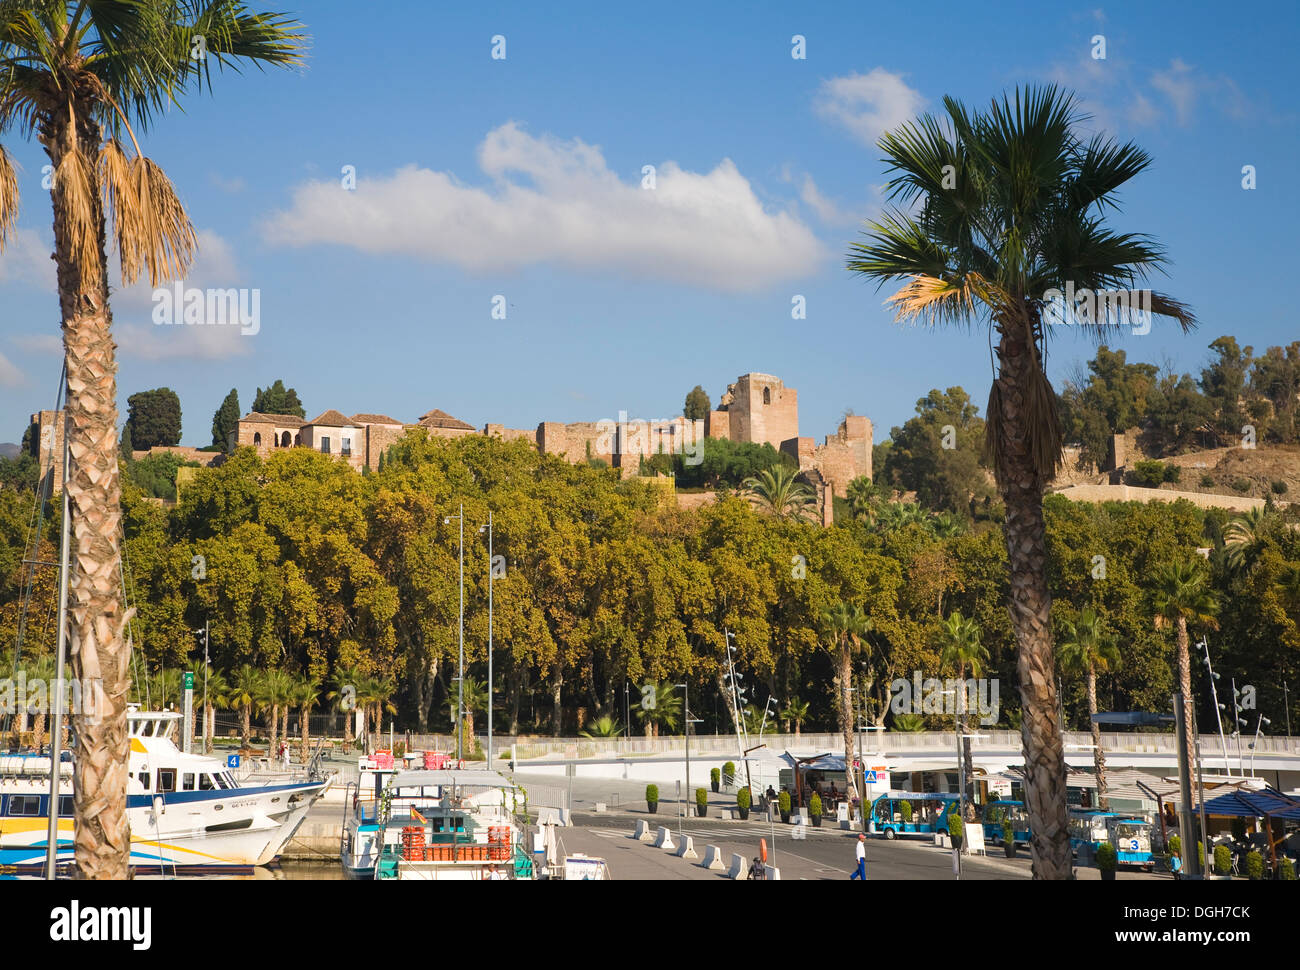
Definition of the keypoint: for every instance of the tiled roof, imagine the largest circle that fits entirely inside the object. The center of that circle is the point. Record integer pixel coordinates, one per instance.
(283, 420)
(441, 419)
(331, 419)
(373, 419)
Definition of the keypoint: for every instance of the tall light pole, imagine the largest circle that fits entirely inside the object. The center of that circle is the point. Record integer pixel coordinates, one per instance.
(766, 708)
(1286, 706)
(491, 570)
(735, 700)
(1214, 696)
(1255, 744)
(460, 678)
(207, 739)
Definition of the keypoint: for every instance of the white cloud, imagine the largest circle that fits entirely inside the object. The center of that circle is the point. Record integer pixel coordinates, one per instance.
(137, 334)
(1180, 85)
(828, 210)
(867, 105)
(10, 376)
(557, 202)
(26, 259)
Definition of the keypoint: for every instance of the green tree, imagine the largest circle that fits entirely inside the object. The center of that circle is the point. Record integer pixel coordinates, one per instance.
(225, 422)
(777, 492)
(698, 405)
(1181, 597)
(1085, 649)
(937, 453)
(155, 418)
(963, 649)
(276, 399)
(1023, 218)
(846, 626)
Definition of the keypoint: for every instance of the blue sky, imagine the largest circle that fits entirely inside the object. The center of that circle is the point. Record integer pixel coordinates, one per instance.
(523, 177)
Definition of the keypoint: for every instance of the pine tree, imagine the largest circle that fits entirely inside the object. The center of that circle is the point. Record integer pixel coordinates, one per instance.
(277, 399)
(124, 448)
(225, 422)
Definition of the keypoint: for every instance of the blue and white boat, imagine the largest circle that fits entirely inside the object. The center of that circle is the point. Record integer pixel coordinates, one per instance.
(186, 811)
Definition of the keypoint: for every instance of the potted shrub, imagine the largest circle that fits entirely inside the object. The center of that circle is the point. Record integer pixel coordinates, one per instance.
(783, 800)
(955, 830)
(1107, 860)
(652, 798)
(701, 802)
(742, 802)
(815, 809)
(1255, 865)
(1222, 860)
(729, 773)
(1009, 839)
(715, 777)
(905, 809)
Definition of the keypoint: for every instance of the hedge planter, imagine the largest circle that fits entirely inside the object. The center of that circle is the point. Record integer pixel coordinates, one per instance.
(1107, 861)
(815, 810)
(743, 798)
(701, 802)
(783, 801)
(817, 821)
(1009, 847)
(652, 798)
(714, 776)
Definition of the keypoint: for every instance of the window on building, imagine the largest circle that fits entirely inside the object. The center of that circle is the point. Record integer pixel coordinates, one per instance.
(767, 395)
(284, 441)
(257, 439)
(345, 447)
(297, 439)
(325, 446)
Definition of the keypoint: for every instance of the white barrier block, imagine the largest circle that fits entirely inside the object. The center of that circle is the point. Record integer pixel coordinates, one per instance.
(550, 816)
(773, 872)
(664, 838)
(600, 808)
(566, 817)
(712, 857)
(642, 831)
(687, 849)
(739, 867)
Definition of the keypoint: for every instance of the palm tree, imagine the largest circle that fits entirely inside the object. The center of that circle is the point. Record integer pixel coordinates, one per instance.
(604, 726)
(796, 712)
(305, 696)
(475, 700)
(218, 692)
(1181, 596)
(776, 491)
(909, 723)
(962, 648)
(243, 697)
(845, 626)
(77, 75)
(667, 711)
(1005, 207)
(1242, 535)
(865, 497)
(1085, 649)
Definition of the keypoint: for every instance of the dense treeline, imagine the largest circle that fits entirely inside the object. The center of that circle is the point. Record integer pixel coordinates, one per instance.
(301, 565)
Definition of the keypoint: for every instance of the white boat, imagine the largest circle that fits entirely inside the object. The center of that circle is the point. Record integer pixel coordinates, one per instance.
(427, 824)
(185, 810)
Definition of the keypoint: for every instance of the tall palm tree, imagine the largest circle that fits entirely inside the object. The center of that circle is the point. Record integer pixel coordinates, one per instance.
(845, 626)
(1086, 649)
(962, 648)
(306, 695)
(1182, 596)
(777, 491)
(795, 712)
(77, 74)
(242, 697)
(218, 693)
(475, 700)
(865, 497)
(667, 710)
(1004, 207)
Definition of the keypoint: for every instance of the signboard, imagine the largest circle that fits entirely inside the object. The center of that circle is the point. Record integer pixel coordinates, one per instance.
(232, 761)
(189, 680)
(974, 841)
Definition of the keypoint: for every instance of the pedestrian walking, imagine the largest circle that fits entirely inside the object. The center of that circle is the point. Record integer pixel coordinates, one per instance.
(860, 872)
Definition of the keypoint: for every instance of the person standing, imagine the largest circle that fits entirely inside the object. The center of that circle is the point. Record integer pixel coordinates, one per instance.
(860, 872)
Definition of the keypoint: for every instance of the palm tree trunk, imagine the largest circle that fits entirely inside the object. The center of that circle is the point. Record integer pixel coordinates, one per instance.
(1030, 605)
(306, 730)
(1185, 685)
(846, 722)
(247, 714)
(966, 745)
(97, 616)
(1098, 756)
(556, 712)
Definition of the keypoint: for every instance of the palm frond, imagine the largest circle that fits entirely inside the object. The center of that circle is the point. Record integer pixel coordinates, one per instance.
(8, 195)
(159, 236)
(74, 182)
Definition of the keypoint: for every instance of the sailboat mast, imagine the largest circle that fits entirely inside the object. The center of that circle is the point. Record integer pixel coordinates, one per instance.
(56, 724)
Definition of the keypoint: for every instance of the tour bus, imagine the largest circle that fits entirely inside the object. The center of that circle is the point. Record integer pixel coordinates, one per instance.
(925, 813)
(1015, 811)
(1130, 836)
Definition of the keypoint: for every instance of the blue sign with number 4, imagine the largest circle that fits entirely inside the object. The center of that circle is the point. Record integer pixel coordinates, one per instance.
(232, 761)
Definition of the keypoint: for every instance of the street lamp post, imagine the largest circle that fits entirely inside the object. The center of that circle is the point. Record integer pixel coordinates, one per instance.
(488, 528)
(1255, 744)
(460, 678)
(1214, 696)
